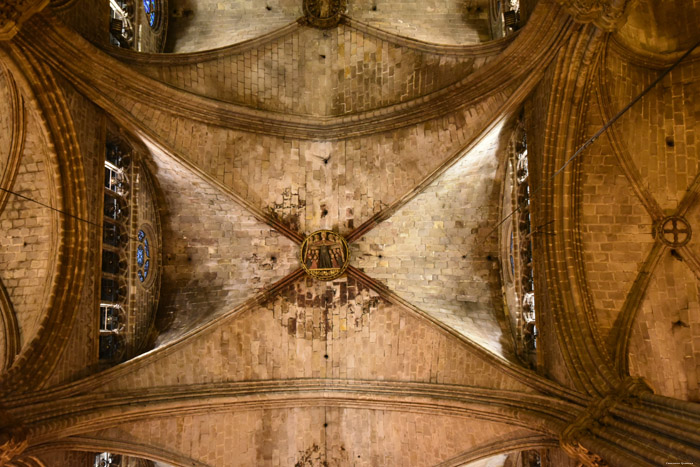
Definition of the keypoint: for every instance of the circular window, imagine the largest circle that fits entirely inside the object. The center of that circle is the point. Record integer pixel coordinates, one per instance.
(145, 255)
(151, 7)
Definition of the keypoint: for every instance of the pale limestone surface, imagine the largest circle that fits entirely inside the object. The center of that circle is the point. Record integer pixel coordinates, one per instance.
(364, 337)
(430, 252)
(340, 71)
(438, 21)
(283, 437)
(215, 253)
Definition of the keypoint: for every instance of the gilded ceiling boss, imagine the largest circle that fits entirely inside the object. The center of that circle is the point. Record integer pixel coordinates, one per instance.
(324, 255)
(324, 13)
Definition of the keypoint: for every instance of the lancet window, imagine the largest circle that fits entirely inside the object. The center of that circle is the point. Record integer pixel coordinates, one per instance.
(115, 239)
(517, 248)
(121, 25)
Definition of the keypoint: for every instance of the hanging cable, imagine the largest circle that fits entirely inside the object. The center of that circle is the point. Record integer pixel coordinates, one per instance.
(14, 193)
(50, 207)
(593, 138)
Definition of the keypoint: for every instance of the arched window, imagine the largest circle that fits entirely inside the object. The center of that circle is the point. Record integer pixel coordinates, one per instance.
(517, 247)
(524, 227)
(115, 239)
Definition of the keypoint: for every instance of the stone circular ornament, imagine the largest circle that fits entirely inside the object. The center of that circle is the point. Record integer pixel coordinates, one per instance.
(674, 231)
(324, 13)
(324, 255)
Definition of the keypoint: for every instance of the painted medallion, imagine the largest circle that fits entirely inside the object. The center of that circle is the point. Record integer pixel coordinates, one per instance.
(324, 255)
(324, 13)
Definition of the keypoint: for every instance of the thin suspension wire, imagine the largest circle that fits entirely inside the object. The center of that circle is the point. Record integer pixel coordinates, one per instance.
(50, 207)
(593, 138)
(56, 209)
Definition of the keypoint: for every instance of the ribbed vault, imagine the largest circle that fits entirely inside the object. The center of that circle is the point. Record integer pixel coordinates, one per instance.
(390, 129)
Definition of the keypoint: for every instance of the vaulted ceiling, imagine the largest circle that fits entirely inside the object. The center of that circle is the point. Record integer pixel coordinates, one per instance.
(391, 128)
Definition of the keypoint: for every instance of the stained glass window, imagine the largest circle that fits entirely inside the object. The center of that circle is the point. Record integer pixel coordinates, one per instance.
(139, 255)
(150, 7)
(512, 260)
(143, 255)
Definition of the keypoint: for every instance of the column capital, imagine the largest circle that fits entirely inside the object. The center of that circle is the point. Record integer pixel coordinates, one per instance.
(13, 442)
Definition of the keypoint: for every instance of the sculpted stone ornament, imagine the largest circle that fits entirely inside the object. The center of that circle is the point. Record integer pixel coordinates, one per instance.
(608, 15)
(588, 459)
(11, 446)
(15, 12)
(674, 231)
(324, 13)
(324, 255)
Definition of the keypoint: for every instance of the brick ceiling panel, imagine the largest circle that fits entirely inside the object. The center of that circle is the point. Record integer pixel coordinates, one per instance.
(431, 253)
(617, 237)
(655, 27)
(66, 458)
(215, 253)
(339, 330)
(665, 341)
(438, 21)
(29, 234)
(310, 185)
(659, 131)
(314, 436)
(307, 71)
(208, 24)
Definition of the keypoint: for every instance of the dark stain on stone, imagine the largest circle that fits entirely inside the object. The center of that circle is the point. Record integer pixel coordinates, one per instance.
(344, 299)
(312, 457)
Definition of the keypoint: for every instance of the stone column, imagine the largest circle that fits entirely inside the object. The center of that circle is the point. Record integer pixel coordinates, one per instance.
(633, 427)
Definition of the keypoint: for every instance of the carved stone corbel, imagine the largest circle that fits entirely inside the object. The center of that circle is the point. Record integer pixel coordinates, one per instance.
(12, 444)
(15, 12)
(587, 458)
(608, 15)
